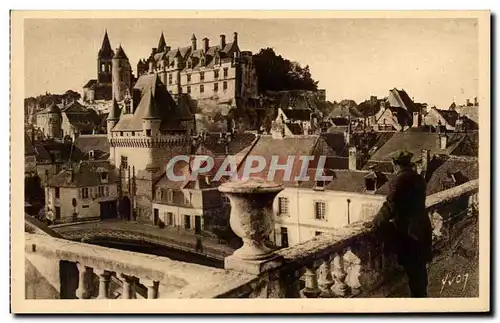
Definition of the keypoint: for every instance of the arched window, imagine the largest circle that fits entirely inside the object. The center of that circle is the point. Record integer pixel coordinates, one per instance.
(103, 67)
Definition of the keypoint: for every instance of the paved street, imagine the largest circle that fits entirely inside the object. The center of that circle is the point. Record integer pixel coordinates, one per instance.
(126, 230)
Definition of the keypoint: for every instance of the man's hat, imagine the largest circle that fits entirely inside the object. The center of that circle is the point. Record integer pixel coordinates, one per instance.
(402, 157)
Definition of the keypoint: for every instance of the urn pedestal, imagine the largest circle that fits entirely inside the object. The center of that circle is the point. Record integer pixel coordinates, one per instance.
(252, 220)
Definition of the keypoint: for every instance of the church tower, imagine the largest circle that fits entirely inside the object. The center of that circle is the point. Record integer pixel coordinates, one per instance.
(104, 61)
(121, 75)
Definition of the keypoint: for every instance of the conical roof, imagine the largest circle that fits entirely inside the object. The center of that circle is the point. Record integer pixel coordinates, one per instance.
(120, 53)
(152, 110)
(106, 51)
(162, 44)
(114, 113)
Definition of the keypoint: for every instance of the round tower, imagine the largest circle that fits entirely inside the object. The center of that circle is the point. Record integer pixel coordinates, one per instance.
(113, 117)
(54, 121)
(151, 121)
(122, 75)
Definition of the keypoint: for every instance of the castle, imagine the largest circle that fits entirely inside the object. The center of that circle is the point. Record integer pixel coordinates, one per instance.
(152, 118)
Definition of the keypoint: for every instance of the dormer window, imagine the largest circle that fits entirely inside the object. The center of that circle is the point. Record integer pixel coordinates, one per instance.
(189, 64)
(370, 184)
(103, 174)
(91, 155)
(203, 62)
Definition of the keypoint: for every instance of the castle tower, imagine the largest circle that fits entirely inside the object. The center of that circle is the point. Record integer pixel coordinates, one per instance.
(113, 117)
(54, 121)
(104, 61)
(152, 120)
(122, 75)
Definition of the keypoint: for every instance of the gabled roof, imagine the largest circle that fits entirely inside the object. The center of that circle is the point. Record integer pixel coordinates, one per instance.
(297, 114)
(51, 108)
(401, 99)
(90, 84)
(84, 175)
(294, 128)
(97, 143)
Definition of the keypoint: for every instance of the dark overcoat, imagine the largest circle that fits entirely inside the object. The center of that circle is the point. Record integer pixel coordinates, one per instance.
(404, 218)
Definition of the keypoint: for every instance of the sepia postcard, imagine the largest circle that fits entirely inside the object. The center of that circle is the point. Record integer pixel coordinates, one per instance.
(311, 162)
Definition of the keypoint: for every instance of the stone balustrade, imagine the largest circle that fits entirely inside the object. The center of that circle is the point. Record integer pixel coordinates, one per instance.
(351, 262)
(80, 270)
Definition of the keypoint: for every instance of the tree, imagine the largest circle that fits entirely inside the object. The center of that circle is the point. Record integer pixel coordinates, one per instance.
(276, 73)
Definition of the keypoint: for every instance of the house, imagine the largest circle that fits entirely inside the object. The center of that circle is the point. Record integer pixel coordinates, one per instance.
(448, 120)
(294, 122)
(92, 147)
(87, 190)
(308, 208)
(396, 113)
(197, 205)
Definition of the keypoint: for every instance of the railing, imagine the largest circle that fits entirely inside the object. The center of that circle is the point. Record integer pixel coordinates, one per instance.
(351, 262)
(88, 271)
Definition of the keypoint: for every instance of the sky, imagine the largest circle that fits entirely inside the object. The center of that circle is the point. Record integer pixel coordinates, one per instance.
(434, 60)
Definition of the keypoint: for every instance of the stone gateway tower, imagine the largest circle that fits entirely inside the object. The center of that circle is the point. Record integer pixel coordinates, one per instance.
(144, 133)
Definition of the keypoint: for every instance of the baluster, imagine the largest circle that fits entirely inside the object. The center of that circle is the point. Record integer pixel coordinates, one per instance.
(152, 287)
(104, 278)
(340, 288)
(83, 291)
(311, 289)
(128, 286)
(326, 280)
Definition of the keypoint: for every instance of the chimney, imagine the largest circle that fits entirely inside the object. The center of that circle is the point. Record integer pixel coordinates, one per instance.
(193, 42)
(153, 51)
(443, 141)
(205, 44)
(235, 38)
(475, 101)
(353, 158)
(426, 156)
(468, 102)
(222, 41)
(416, 120)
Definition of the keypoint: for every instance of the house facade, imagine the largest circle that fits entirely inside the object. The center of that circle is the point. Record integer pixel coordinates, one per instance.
(88, 190)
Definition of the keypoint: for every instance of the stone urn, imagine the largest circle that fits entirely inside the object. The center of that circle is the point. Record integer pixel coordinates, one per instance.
(252, 215)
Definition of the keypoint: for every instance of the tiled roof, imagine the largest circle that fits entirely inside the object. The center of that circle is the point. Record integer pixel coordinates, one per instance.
(297, 114)
(465, 169)
(84, 175)
(237, 143)
(268, 147)
(349, 181)
(415, 142)
(98, 143)
(449, 115)
(46, 149)
(294, 128)
(332, 144)
(90, 84)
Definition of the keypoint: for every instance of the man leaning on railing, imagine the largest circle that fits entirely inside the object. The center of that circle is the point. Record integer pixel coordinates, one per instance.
(404, 224)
